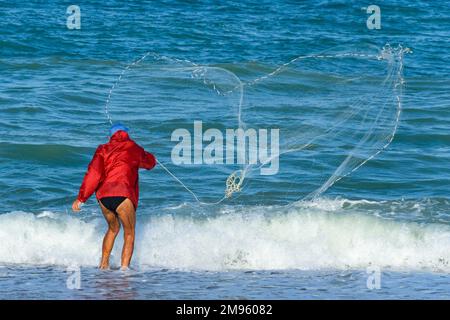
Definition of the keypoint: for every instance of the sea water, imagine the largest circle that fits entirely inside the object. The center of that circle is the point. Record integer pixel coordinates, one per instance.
(382, 232)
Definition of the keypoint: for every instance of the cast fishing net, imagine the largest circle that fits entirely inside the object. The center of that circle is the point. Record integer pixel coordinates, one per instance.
(321, 117)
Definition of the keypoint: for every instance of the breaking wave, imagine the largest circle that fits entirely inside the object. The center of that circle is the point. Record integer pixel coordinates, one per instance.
(312, 236)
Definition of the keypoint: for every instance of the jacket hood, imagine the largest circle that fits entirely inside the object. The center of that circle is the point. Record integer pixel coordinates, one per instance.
(120, 136)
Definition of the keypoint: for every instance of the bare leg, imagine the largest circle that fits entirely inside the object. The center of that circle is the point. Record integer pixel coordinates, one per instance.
(127, 216)
(110, 236)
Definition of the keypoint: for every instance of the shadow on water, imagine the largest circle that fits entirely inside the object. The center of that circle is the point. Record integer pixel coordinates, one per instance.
(115, 285)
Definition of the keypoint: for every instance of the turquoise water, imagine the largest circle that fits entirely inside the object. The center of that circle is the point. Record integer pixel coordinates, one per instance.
(392, 212)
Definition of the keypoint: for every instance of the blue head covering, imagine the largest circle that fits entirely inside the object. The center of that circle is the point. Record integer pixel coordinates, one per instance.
(117, 127)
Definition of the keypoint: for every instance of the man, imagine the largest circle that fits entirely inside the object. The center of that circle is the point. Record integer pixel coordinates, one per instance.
(113, 176)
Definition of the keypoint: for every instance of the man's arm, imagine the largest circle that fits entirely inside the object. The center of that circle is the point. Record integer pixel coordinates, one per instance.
(148, 160)
(91, 179)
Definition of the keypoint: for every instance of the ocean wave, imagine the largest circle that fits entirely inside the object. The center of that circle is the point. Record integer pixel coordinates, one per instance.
(43, 153)
(307, 237)
(24, 109)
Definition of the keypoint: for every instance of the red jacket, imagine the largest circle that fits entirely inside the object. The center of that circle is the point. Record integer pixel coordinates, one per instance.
(113, 170)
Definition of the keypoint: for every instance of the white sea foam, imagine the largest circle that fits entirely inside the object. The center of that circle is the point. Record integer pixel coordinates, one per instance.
(309, 237)
(48, 239)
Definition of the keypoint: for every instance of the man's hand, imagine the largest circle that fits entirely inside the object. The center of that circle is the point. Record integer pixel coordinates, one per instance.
(76, 206)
